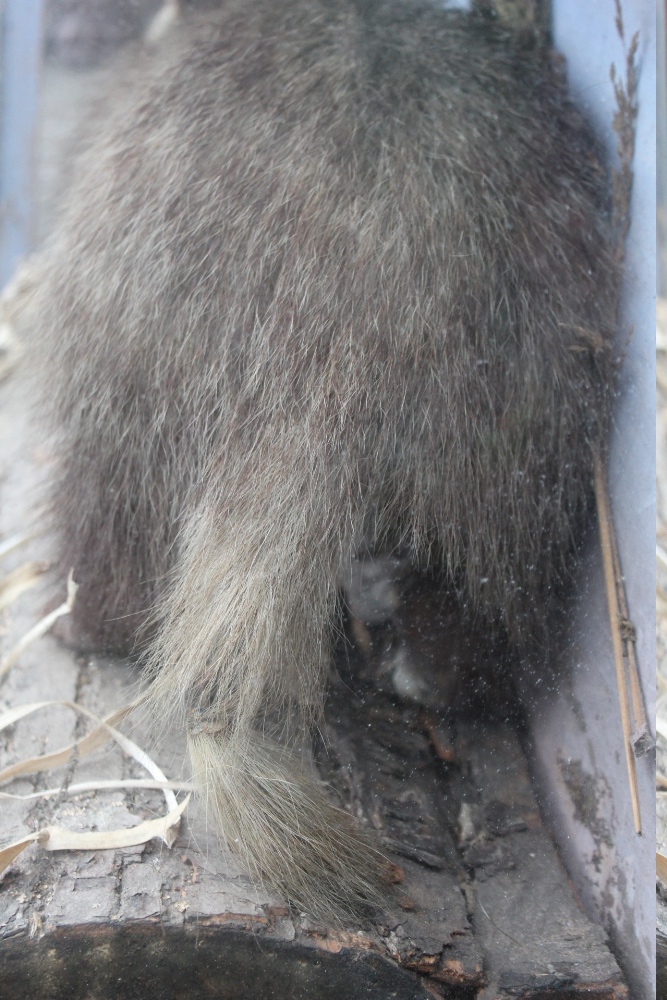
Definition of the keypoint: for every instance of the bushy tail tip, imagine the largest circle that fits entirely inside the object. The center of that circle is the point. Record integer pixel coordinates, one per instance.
(280, 820)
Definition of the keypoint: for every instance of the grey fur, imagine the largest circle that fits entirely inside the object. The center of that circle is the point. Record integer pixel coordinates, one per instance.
(334, 275)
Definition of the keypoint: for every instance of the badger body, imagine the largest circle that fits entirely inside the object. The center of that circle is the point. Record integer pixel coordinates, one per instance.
(333, 276)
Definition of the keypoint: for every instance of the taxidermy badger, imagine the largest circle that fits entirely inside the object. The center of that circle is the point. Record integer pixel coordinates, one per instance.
(334, 277)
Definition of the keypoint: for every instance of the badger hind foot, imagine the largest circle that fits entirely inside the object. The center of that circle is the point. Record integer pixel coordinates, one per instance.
(85, 631)
(280, 820)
